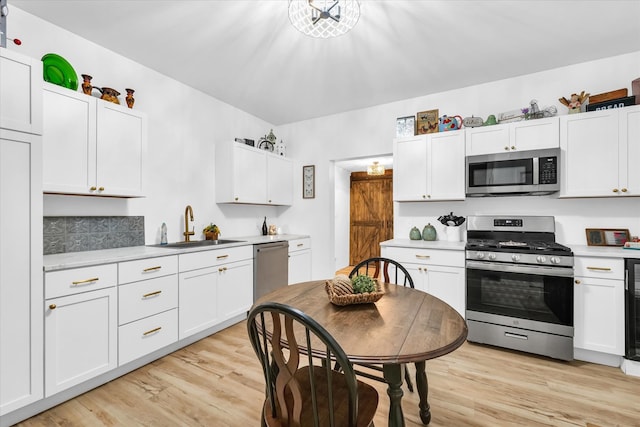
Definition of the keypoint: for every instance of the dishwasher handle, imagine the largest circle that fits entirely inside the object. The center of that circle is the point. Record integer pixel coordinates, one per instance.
(272, 247)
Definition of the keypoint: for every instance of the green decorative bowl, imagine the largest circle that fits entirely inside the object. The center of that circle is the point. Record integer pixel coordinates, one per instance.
(56, 70)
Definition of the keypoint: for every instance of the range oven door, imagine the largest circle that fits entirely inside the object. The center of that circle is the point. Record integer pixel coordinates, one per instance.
(538, 298)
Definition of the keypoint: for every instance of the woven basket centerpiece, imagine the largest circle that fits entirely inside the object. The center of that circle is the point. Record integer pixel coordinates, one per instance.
(340, 292)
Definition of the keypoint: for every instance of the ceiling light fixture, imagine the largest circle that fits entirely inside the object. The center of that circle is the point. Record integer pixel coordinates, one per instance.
(375, 169)
(324, 18)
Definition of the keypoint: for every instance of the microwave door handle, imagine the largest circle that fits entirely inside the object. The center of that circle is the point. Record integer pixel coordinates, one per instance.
(536, 170)
(524, 269)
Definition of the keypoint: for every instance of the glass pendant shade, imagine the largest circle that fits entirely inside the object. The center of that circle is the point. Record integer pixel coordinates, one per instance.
(375, 169)
(324, 18)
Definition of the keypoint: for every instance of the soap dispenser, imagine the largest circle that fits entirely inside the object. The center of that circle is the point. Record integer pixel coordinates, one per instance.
(163, 234)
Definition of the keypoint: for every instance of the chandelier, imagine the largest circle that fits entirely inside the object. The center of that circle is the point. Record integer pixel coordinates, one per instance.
(324, 18)
(375, 169)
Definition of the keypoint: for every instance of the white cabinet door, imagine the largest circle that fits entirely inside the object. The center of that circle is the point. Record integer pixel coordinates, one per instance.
(92, 147)
(235, 289)
(81, 338)
(198, 301)
(448, 284)
(487, 140)
(21, 293)
(120, 148)
(445, 166)
(299, 266)
(535, 134)
(409, 169)
(20, 93)
(249, 175)
(69, 141)
(590, 153)
(630, 156)
(599, 315)
(279, 180)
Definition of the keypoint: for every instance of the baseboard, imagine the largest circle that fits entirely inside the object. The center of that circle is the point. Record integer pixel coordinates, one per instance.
(630, 367)
(597, 357)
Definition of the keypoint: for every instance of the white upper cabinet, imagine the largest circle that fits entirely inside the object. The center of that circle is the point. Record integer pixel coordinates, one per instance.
(91, 147)
(249, 175)
(600, 153)
(517, 136)
(429, 167)
(20, 93)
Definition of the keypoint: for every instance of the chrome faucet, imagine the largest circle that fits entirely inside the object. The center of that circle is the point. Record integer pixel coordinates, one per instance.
(188, 213)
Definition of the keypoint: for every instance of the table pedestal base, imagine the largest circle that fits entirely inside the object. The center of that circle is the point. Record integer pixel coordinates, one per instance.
(393, 377)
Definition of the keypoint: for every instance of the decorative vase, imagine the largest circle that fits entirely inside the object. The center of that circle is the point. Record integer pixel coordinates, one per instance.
(453, 233)
(429, 232)
(414, 234)
(130, 99)
(210, 235)
(86, 84)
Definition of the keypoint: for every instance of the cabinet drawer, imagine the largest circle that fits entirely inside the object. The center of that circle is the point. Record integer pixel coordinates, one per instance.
(146, 298)
(606, 268)
(425, 256)
(299, 244)
(142, 269)
(203, 259)
(147, 335)
(76, 280)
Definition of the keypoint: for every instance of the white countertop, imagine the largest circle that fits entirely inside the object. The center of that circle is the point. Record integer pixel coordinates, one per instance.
(604, 251)
(423, 244)
(107, 256)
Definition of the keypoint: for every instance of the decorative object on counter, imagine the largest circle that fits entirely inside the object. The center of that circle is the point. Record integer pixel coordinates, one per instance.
(211, 232)
(608, 96)
(375, 169)
(427, 122)
(453, 233)
(429, 233)
(281, 149)
(273, 230)
(614, 103)
(58, 71)
(130, 100)
(163, 234)
(472, 122)
(414, 234)
(527, 113)
(246, 141)
(491, 120)
(86, 84)
(324, 19)
(109, 94)
(607, 236)
(446, 123)
(575, 103)
(264, 227)
(451, 220)
(268, 142)
(405, 126)
(308, 182)
(342, 291)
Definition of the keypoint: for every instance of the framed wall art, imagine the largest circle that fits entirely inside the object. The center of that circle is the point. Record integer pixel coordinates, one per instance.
(308, 182)
(427, 122)
(405, 126)
(607, 236)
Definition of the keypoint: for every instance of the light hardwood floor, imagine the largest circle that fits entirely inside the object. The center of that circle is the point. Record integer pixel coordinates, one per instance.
(218, 382)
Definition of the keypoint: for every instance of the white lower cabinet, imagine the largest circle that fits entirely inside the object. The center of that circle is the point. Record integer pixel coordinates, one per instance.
(599, 305)
(147, 335)
(438, 272)
(299, 260)
(81, 338)
(214, 286)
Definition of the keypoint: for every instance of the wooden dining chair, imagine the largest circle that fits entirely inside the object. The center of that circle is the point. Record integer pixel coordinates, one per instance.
(312, 394)
(378, 267)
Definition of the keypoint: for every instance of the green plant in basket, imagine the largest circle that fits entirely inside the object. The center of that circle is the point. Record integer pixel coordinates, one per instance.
(211, 228)
(362, 284)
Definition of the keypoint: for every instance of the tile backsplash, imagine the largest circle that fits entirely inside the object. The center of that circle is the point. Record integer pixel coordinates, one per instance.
(87, 233)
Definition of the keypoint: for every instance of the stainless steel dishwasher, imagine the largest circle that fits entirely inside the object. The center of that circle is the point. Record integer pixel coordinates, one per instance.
(270, 267)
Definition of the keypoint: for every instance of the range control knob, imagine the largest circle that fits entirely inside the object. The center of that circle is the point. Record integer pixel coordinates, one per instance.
(515, 257)
(479, 255)
(554, 260)
(541, 259)
(491, 256)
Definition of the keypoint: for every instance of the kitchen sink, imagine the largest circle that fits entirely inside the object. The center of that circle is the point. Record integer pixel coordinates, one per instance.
(196, 244)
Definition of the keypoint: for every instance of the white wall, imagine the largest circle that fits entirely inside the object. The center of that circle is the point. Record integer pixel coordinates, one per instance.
(185, 124)
(341, 216)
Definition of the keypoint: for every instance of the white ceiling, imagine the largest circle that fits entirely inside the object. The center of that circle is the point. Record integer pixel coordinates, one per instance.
(246, 53)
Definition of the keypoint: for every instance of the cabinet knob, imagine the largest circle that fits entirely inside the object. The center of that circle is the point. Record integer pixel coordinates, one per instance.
(506, 148)
(578, 282)
(52, 307)
(101, 189)
(513, 147)
(236, 199)
(269, 200)
(624, 190)
(615, 190)
(93, 188)
(424, 196)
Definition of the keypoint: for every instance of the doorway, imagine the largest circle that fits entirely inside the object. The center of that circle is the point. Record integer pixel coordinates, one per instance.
(370, 213)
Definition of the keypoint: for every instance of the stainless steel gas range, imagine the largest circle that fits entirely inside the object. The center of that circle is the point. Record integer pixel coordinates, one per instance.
(519, 285)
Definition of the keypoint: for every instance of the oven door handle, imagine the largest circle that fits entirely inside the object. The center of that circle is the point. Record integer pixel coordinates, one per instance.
(524, 269)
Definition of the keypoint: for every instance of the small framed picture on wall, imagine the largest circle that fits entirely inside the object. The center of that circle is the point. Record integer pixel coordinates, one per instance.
(308, 182)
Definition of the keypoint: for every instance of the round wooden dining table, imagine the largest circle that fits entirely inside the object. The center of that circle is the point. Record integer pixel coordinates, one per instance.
(405, 326)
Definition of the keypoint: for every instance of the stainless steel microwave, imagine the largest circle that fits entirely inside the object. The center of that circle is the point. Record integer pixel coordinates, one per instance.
(534, 172)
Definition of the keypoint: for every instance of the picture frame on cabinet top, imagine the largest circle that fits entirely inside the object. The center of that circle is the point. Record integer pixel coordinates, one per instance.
(607, 236)
(308, 182)
(427, 122)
